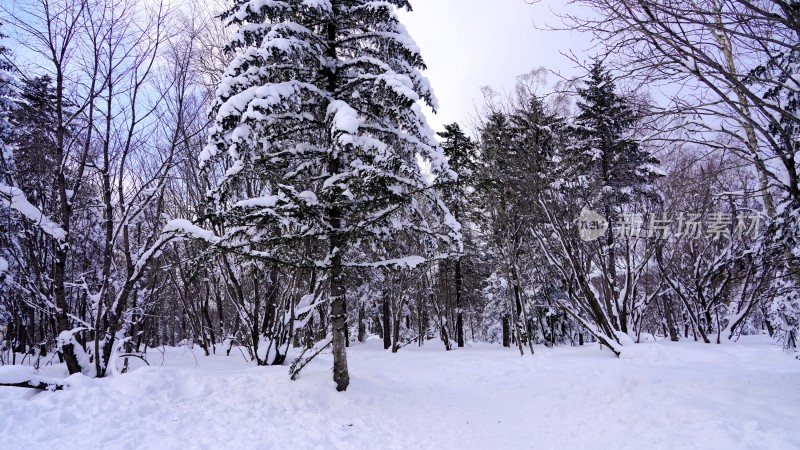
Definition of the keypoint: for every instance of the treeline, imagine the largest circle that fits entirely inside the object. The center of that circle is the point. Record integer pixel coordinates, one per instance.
(295, 214)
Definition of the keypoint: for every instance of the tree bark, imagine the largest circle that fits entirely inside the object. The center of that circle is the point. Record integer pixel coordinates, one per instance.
(396, 335)
(60, 265)
(387, 323)
(338, 309)
(459, 313)
(338, 316)
(673, 330)
(362, 327)
(506, 332)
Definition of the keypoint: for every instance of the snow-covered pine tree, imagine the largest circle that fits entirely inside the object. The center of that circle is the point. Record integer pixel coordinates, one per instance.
(461, 153)
(605, 151)
(783, 237)
(614, 171)
(318, 129)
(7, 94)
(602, 166)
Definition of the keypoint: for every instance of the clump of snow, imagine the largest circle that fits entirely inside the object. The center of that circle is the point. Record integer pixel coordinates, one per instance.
(344, 121)
(188, 229)
(309, 197)
(268, 201)
(407, 262)
(66, 338)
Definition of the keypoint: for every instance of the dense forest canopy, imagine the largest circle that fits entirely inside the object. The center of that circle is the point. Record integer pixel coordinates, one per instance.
(262, 180)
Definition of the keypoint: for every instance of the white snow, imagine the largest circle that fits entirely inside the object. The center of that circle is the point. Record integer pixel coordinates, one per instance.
(16, 374)
(22, 374)
(309, 197)
(344, 121)
(268, 201)
(13, 197)
(661, 396)
(408, 261)
(187, 228)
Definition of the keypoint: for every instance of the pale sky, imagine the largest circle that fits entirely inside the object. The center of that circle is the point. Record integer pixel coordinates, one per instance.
(468, 44)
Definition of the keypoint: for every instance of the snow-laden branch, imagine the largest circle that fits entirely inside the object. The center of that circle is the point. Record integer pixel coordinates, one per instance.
(13, 198)
(26, 377)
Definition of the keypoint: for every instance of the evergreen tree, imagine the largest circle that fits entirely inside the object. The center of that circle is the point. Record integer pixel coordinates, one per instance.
(7, 103)
(7, 94)
(612, 171)
(604, 153)
(34, 119)
(460, 151)
(7, 90)
(501, 188)
(538, 135)
(318, 130)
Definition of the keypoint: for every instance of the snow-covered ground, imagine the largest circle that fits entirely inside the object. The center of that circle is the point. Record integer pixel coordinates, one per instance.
(658, 395)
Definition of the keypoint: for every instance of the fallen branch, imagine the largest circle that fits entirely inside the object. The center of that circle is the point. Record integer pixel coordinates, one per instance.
(26, 377)
(410, 341)
(42, 386)
(131, 355)
(295, 370)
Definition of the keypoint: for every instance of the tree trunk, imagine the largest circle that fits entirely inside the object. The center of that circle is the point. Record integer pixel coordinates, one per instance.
(673, 330)
(387, 323)
(459, 313)
(396, 335)
(338, 310)
(506, 332)
(60, 264)
(341, 375)
(362, 327)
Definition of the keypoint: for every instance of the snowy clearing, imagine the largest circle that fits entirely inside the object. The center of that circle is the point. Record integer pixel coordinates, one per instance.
(660, 395)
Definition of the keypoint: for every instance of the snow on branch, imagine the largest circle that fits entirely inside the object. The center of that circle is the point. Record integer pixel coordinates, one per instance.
(13, 198)
(185, 228)
(26, 377)
(407, 262)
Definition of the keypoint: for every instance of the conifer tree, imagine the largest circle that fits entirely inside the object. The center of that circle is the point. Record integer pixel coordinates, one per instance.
(460, 151)
(7, 94)
(7, 103)
(612, 171)
(318, 131)
(604, 151)
(33, 120)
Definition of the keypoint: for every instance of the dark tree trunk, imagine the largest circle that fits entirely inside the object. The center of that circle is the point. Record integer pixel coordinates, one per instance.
(362, 327)
(506, 332)
(60, 264)
(396, 335)
(341, 375)
(671, 328)
(377, 323)
(338, 311)
(767, 323)
(459, 313)
(387, 324)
